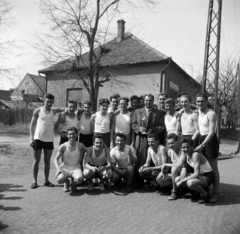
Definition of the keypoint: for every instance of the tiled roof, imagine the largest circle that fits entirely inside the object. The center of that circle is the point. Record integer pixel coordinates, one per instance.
(5, 94)
(130, 50)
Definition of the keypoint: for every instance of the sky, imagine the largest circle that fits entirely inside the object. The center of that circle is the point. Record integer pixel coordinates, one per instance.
(177, 28)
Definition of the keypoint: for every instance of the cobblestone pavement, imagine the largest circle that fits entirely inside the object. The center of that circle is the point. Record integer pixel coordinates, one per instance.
(50, 210)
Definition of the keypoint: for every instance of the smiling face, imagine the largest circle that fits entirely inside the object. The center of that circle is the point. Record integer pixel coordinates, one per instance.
(185, 103)
(169, 107)
(186, 148)
(115, 103)
(152, 142)
(98, 143)
(120, 142)
(72, 135)
(161, 99)
(71, 107)
(202, 103)
(123, 105)
(171, 143)
(134, 104)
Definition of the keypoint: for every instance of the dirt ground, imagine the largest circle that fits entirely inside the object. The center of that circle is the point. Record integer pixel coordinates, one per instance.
(16, 154)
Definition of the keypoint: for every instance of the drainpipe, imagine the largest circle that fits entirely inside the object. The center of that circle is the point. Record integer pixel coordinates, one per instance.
(162, 76)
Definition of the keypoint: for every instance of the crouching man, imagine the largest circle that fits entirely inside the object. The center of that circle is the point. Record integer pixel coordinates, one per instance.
(156, 156)
(202, 177)
(123, 158)
(71, 154)
(97, 163)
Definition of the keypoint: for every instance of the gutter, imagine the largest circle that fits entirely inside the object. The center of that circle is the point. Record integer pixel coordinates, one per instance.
(162, 76)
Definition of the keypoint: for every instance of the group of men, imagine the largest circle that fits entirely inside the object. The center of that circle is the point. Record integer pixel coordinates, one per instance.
(164, 144)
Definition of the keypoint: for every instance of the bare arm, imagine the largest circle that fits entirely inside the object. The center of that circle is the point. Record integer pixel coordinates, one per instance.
(58, 156)
(87, 161)
(33, 124)
(147, 164)
(61, 120)
(194, 117)
(112, 137)
(108, 159)
(57, 110)
(93, 121)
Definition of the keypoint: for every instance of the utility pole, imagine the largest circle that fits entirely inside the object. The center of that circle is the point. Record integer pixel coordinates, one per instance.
(212, 51)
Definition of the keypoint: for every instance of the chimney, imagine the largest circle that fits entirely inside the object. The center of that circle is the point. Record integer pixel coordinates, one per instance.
(121, 30)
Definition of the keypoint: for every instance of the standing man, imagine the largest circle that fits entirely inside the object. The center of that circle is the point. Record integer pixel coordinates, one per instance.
(65, 120)
(41, 137)
(170, 118)
(208, 141)
(145, 121)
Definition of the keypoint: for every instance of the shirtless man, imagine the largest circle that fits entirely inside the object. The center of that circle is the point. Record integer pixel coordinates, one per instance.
(208, 141)
(71, 153)
(158, 155)
(97, 163)
(41, 137)
(187, 126)
(123, 158)
(65, 120)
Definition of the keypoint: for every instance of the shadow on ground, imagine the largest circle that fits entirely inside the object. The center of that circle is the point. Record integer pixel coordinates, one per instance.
(3, 226)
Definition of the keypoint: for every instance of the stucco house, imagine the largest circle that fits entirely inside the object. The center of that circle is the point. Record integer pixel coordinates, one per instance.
(132, 67)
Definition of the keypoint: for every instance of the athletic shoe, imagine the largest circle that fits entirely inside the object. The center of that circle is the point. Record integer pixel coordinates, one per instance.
(214, 198)
(173, 196)
(203, 199)
(102, 188)
(48, 184)
(90, 186)
(74, 187)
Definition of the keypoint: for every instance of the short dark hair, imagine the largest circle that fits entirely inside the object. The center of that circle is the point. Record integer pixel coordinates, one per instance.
(121, 135)
(103, 100)
(172, 136)
(153, 135)
(141, 97)
(98, 136)
(50, 96)
(133, 97)
(72, 128)
(115, 95)
(180, 94)
(201, 94)
(163, 94)
(72, 102)
(123, 98)
(87, 103)
(169, 100)
(186, 140)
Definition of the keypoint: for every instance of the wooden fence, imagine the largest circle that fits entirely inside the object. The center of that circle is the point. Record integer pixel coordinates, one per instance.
(16, 116)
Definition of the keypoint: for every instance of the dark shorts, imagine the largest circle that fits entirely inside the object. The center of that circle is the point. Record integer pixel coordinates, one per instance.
(86, 139)
(195, 142)
(211, 149)
(37, 145)
(209, 176)
(106, 138)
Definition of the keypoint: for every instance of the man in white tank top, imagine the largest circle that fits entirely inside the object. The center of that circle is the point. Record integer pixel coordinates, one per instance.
(156, 155)
(41, 137)
(122, 122)
(170, 118)
(65, 120)
(187, 125)
(97, 163)
(202, 176)
(208, 141)
(123, 159)
(71, 154)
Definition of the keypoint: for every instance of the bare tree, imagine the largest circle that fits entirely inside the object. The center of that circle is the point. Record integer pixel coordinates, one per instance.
(78, 26)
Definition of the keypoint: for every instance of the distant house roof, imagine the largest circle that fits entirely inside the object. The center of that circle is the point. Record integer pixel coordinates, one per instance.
(130, 50)
(5, 94)
(32, 98)
(39, 80)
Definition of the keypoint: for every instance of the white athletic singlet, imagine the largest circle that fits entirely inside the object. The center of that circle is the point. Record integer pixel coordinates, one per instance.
(102, 123)
(85, 125)
(100, 160)
(44, 127)
(203, 123)
(156, 157)
(71, 159)
(123, 123)
(171, 124)
(187, 125)
(70, 123)
(173, 156)
(204, 168)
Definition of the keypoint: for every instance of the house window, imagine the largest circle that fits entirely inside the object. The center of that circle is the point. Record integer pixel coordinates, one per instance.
(173, 90)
